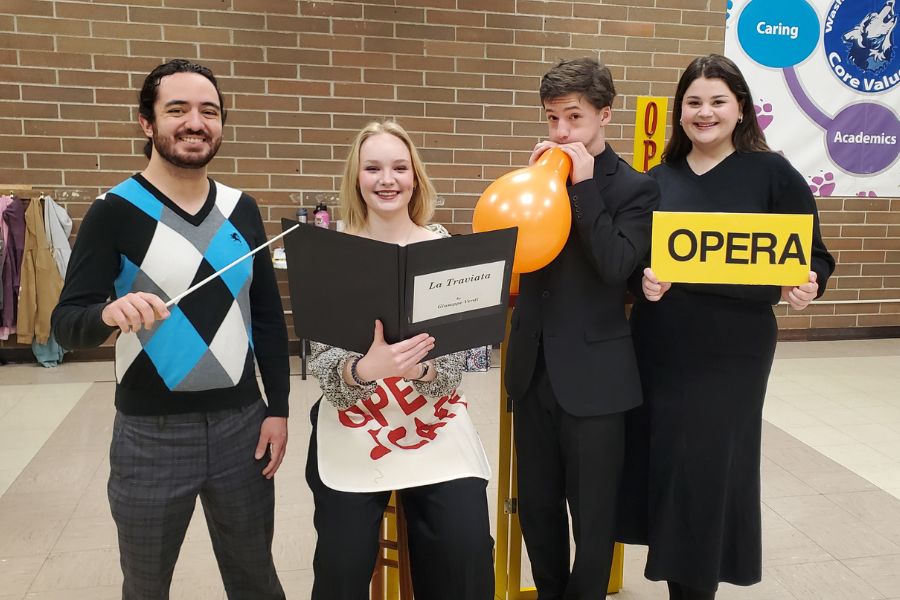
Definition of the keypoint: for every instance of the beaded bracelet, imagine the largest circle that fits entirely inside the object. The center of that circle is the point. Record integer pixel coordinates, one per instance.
(354, 374)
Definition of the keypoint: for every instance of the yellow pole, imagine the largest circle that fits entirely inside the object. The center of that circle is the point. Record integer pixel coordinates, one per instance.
(508, 569)
(504, 471)
(392, 576)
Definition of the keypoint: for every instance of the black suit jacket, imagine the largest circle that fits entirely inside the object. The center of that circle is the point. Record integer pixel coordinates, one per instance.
(575, 305)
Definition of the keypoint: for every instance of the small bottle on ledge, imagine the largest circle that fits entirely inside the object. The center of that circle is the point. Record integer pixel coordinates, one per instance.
(320, 216)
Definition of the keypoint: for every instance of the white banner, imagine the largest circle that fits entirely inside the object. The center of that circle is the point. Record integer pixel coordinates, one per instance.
(825, 79)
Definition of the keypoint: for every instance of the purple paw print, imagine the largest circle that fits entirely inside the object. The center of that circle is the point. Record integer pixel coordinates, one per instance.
(867, 194)
(823, 185)
(763, 115)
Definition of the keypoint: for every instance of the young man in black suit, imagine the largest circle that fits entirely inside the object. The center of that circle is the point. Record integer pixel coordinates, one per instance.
(570, 368)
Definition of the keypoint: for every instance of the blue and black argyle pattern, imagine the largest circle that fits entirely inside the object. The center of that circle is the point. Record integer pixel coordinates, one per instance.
(199, 347)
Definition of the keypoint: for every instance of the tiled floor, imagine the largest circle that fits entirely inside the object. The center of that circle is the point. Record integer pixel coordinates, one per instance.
(831, 483)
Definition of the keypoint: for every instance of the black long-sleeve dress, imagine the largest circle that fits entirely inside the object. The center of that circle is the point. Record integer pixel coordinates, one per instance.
(692, 490)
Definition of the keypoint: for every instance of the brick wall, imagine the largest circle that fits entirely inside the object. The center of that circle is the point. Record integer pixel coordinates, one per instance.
(301, 77)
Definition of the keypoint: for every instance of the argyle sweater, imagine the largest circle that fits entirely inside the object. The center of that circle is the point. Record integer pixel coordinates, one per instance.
(201, 358)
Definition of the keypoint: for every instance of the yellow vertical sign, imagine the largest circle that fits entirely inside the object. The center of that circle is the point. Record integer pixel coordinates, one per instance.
(649, 131)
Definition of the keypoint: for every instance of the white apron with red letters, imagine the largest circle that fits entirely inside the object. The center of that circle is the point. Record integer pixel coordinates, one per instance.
(397, 439)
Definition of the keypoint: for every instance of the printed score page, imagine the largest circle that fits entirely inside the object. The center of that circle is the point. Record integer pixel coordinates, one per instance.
(454, 291)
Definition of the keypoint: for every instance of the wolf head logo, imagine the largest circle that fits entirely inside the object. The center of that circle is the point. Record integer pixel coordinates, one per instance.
(870, 43)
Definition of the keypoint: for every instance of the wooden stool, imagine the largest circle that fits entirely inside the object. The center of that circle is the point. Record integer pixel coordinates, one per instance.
(391, 579)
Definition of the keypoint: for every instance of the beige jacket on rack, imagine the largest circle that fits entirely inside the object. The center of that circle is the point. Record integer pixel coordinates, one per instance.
(41, 282)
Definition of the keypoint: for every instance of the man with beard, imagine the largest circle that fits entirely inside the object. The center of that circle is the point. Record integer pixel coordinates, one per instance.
(190, 418)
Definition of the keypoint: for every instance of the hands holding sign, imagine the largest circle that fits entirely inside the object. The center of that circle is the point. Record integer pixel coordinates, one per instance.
(652, 287)
(800, 296)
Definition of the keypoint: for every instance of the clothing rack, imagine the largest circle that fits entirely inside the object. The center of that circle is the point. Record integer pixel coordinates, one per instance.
(22, 192)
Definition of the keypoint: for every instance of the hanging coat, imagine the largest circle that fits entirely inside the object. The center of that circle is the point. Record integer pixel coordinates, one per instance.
(58, 225)
(41, 281)
(12, 226)
(3, 242)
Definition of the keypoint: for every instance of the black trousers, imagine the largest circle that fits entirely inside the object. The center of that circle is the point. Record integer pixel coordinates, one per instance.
(563, 458)
(450, 545)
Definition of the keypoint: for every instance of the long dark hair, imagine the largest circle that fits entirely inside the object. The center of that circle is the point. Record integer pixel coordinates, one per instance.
(746, 137)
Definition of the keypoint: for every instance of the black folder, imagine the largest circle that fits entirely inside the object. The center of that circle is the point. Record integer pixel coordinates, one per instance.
(340, 283)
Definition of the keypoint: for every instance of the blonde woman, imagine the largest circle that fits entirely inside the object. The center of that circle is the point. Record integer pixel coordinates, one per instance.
(390, 420)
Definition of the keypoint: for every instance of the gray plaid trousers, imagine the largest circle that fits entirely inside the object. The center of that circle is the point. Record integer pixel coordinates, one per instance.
(158, 467)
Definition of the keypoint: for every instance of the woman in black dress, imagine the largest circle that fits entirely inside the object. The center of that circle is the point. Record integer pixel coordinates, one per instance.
(692, 491)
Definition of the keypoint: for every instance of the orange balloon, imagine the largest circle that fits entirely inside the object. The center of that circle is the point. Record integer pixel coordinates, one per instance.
(535, 200)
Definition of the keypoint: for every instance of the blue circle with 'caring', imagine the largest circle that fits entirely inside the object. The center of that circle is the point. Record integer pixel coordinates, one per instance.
(778, 33)
(860, 44)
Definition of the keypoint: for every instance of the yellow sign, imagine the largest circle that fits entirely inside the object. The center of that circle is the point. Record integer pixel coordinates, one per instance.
(747, 248)
(649, 131)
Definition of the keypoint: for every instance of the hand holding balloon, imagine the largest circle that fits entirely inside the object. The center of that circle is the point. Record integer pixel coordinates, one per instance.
(582, 160)
(539, 149)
